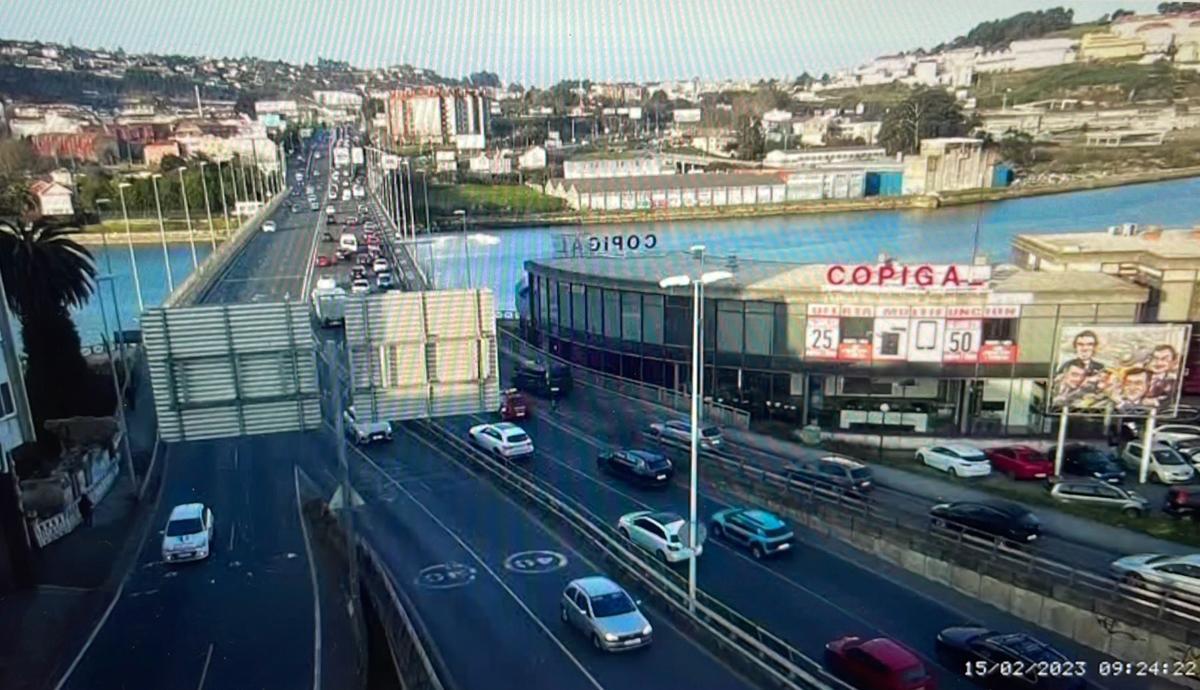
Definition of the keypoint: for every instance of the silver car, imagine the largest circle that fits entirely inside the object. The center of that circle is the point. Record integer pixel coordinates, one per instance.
(680, 431)
(1179, 573)
(600, 609)
(1097, 493)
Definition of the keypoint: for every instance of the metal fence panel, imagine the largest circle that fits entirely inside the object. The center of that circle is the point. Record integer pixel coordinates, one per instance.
(232, 370)
(416, 355)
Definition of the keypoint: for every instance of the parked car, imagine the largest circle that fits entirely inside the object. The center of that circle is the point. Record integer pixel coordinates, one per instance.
(680, 431)
(1008, 521)
(662, 534)
(547, 381)
(188, 534)
(1189, 448)
(958, 459)
(1182, 503)
(835, 472)
(268, 226)
(323, 261)
(364, 431)
(1166, 433)
(1020, 462)
(1098, 493)
(1164, 466)
(600, 609)
(877, 664)
(761, 531)
(1082, 460)
(504, 440)
(638, 466)
(513, 405)
(331, 220)
(1153, 571)
(959, 646)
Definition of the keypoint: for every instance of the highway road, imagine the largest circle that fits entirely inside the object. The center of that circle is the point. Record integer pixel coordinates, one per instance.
(245, 617)
(817, 593)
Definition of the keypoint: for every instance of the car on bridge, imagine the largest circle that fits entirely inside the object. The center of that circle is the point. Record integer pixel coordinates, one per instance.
(380, 265)
(323, 261)
(996, 519)
(268, 226)
(504, 440)
(834, 472)
(761, 531)
(1160, 572)
(188, 534)
(600, 609)
(364, 431)
(680, 431)
(314, 206)
(552, 381)
(958, 459)
(662, 534)
(360, 286)
(384, 281)
(877, 664)
(636, 466)
(962, 647)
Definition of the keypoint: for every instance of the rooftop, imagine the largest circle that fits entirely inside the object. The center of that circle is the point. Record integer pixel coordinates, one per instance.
(1166, 244)
(652, 182)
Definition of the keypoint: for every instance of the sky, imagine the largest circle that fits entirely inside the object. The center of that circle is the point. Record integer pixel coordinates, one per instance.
(534, 42)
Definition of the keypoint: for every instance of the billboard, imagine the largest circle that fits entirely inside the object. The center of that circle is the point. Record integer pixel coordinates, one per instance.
(1127, 370)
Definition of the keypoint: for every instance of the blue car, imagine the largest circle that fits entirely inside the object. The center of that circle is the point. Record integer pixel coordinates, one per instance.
(761, 531)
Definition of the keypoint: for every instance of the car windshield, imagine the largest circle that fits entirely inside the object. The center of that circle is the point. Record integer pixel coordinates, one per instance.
(1028, 520)
(1095, 457)
(657, 462)
(1166, 456)
(517, 438)
(776, 532)
(710, 432)
(860, 473)
(178, 528)
(912, 674)
(612, 604)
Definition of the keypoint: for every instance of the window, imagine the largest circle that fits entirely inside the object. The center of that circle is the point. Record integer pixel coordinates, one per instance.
(999, 329)
(730, 325)
(578, 309)
(678, 322)
(7, 406)
(595, 311)
(552, 292)
(652, 319)
(760, 326)
(631, 316)
(857, 328)
(564, 304)
(612, 314)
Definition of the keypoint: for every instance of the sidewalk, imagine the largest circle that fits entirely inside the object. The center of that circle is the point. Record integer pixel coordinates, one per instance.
(40, 628)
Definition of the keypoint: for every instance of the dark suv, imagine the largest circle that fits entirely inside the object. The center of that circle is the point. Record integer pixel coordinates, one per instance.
(553, 381)
(1083, 460)
(834, 472)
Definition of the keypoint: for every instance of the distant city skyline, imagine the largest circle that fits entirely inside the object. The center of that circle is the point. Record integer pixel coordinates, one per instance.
(534, 42)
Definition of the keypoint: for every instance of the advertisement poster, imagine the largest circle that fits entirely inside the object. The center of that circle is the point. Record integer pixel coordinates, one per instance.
(1126, 370)
(925, 334)
(962, 341)
(822, 333)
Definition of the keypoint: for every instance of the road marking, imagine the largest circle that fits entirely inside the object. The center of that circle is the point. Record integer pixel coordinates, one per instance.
(478, 559)
(312, 574)
(204, 671)
(232, 534)
(235, 458)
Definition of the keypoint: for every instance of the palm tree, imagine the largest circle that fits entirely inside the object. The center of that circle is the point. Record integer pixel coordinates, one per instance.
(45, 274)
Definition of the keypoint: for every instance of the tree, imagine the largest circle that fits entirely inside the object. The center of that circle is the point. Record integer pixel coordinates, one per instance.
(926, 113)
(750, 141)
(1000, 32)
(1178, 7)
(245, 105)
(484, 78)
(170, 162)
(1017, 147)
(16, 156)
(46, 274)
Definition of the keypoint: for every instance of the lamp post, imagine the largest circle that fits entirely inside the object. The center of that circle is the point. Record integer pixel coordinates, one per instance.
(412, 210)
(224, 203)
(187, 216)
(137, 280)
(884, 408)
(425, 193)
(697, 395)
(104, 233)
(466, 245)
(162, 232)
(212, 233)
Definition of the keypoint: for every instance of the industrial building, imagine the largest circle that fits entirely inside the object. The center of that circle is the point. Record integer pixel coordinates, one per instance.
(615, 167)
(816, 157)
(439, 116)
(949, 164)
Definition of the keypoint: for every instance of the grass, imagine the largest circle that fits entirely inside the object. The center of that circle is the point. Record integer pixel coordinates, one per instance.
(1078, 30)
(1181, 150)
(1112, 83)
(136, 225)
(485, 199)
(884, 95)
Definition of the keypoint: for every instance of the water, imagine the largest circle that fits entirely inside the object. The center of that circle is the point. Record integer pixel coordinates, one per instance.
(944, 235)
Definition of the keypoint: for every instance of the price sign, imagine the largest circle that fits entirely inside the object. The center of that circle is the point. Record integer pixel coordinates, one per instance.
(822, 335)
(962, 341)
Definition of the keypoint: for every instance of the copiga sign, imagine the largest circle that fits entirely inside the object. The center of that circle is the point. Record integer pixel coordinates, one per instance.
(892, 276)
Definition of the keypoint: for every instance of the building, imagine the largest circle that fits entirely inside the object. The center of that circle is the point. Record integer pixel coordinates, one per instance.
(439, 116)
(811, 158)
(491, 163)
(1103, 45)
(1060, 117)
(342, 100)
(96, 147)
(776, 124)
(949, 164)
(648, 192)
(534, 158)
(16, 429)
(30, 123)
(53, 198)
(952, 349)
(1030, 54)
(615, 167)
(866, 131)
(154, 153)
(446, 161)
(285, 109)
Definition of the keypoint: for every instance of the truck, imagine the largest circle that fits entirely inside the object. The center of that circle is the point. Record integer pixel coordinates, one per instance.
(329, 306)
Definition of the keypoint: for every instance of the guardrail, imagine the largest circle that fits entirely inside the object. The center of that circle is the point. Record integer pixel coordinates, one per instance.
(512, 344)
(194, 288)
(758, 648)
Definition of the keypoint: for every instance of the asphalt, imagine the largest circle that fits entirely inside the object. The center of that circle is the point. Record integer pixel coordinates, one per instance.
(817, 593)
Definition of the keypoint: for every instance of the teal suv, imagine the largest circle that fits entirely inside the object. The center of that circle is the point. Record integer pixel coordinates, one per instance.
(760, 531)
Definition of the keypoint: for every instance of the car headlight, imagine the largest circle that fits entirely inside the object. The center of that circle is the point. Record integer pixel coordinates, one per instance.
(610, 637)
(647, 630)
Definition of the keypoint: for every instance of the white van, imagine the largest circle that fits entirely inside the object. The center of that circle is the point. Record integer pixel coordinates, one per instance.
(348, 242)
(345, 195)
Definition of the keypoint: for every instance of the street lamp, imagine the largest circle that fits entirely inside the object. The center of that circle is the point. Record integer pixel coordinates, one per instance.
(137, 280)
(697, 394)
(224, 203)
(412, 210)
(104, 234)
(466, 245)
(212, 234)
(187, 215)
(162, 232)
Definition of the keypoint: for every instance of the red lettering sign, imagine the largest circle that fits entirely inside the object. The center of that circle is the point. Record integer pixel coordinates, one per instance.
(998, 352)
(892, 275)
(854, 352)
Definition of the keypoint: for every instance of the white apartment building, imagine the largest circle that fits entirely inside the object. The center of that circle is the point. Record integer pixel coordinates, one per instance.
(1031, 54)
(439, 116)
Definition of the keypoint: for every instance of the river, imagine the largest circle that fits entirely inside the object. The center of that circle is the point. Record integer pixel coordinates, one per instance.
(941, 235)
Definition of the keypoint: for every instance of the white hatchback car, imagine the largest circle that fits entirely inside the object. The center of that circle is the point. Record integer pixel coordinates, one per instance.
(663, 534)
(188, 534)
(268, 226)
(958, 459)
(381, 265)
(504, 440)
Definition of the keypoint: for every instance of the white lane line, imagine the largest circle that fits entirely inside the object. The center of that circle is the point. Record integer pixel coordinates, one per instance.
(232, 535)
(204, 671)
(478, 559)
(312, 574)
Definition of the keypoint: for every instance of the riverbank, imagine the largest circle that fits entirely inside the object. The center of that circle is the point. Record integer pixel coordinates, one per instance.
(144, 231)
(823, 206)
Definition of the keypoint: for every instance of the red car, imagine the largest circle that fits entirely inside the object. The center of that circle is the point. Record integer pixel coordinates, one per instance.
(513, 406)
(323, 261)
(1020, 462)
(878, 664)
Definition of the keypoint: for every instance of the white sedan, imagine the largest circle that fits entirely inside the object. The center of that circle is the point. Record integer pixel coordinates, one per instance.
(504, 440)
(663, 534)
(380, 265)
(1155, 571)
(958, 459)
(268, 226)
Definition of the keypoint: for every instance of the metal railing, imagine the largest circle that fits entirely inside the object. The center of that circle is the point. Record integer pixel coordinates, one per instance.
(511, 344)
(761, 650)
